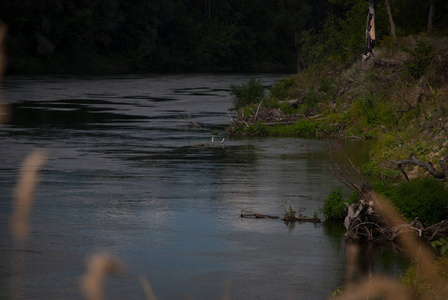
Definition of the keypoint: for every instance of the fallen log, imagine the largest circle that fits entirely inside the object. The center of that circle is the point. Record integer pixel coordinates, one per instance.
(258, 216)
(288, 217)
(300, 218)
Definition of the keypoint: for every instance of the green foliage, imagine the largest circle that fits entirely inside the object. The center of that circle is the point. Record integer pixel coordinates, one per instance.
(302, 128)
(305, 128)
(334, 207)
(421, 58)
(337, 292)
(248, 93)
(425, 199)
(441, 245)
(281, 89)
(259, 129)
(311, 99)
(323, 46)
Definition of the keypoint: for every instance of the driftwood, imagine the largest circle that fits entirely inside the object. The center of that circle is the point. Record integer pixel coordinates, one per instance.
(293, 102)
(288, 217)
(363, 223)
(367, 221)
(436, 231)
(300, 218)
(441, 175)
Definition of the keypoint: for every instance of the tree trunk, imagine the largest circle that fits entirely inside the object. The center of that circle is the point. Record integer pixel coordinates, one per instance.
(432, 9)
(207, 10)
(391, 21)
(370, 32)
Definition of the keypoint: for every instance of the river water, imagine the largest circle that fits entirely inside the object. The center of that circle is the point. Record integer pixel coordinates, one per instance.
(132, 171)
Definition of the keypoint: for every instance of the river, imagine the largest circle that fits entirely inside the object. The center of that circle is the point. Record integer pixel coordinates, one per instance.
(132, 171)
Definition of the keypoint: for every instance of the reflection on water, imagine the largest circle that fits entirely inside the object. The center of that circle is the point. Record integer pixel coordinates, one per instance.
(125, 175)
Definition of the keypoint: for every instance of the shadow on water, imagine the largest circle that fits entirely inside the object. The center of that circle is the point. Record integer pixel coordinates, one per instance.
(76, 115)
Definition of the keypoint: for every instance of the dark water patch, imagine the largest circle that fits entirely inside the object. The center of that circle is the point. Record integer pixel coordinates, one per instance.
(150, 98)
(28, 114)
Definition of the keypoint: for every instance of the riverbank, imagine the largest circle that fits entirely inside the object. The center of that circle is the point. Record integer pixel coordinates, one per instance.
(398, 98)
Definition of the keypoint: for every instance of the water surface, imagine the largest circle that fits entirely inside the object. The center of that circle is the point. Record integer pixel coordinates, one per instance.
(132, 171)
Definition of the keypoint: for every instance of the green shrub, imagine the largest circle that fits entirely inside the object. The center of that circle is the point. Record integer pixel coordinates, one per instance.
(305, 128)
(424, 198)
(258, 129)
(249, 93)
(334, 207)
(422, 57)
(311, 99)
(281, 89)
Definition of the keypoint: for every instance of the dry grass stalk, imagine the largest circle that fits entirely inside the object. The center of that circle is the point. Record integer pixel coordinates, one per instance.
(2, 52)
(3, 109)
(227, 288)
(147, 288)
(24, 194)
(98, 267)
(378, 288)
(352, 253)
(412, 247)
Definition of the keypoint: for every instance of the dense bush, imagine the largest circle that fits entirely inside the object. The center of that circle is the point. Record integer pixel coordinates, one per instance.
(281, 89)
(425, 199)
(305, 128)
(248, 93)
(334, 207)
(422, 57)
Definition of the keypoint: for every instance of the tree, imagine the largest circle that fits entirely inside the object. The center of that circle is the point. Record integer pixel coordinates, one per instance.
(432, 9)
(391, 21)
(370, 32)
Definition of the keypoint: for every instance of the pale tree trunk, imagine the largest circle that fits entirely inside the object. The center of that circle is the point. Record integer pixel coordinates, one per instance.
(432, 9)
(391, 21)
(207, 9)
(370, 32)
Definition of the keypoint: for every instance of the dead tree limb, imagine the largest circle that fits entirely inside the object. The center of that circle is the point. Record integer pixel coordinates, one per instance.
(288, 217)
(254, 215)
(258, 109)
(418, 95)
(441, 175)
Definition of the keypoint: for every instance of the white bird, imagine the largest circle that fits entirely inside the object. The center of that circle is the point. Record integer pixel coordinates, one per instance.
(213, 139)
(223, 139)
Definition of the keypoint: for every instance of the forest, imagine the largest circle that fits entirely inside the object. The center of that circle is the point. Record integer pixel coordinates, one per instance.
(107, 36)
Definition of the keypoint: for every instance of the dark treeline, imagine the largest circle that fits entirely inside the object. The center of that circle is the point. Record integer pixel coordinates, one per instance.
(57, 36)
